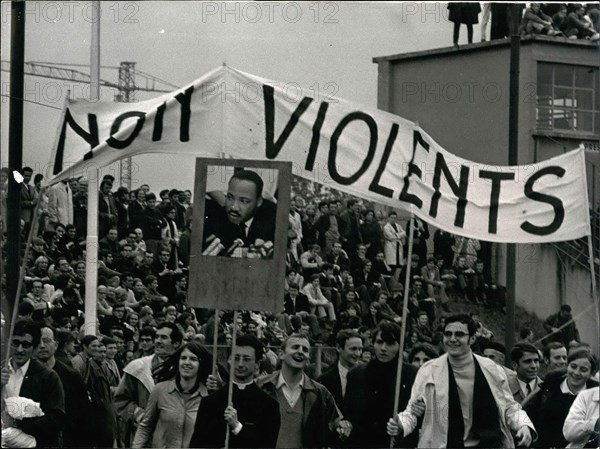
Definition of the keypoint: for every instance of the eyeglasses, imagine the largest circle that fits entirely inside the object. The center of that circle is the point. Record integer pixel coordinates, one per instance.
(24, 343)
(459, 334)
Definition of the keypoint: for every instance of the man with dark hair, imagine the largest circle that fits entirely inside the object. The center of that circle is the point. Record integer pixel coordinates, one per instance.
(464, 397)
(147, 335)
(349, 346)
(107, 208)
(25, 377)
(137, 382)
(526, 363)
(89, 349)
(253, 418)
(29, 198)
(77, 401)
(561, 326)
(555, 355)
(350, 227)
(246, 216)
(309, 416)
(526, 334)
(369, 400)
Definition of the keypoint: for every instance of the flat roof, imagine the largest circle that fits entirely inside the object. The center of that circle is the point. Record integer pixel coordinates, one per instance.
(478, 46)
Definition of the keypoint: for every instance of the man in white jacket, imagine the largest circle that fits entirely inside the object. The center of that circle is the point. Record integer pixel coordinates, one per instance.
(445, 390)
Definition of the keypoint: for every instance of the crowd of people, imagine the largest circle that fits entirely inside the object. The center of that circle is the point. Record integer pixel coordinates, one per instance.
(147, 379)
(568, 20)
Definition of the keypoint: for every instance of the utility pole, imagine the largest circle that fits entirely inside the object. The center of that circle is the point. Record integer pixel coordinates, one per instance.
(513, 159)
(15, 158)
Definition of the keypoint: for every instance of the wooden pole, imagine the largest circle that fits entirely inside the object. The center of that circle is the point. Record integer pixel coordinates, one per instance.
(215, 341)
(404, 319)
(15, 311)
(230, 387)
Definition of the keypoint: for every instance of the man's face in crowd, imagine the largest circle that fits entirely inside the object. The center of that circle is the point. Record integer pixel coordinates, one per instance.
(37, 288)
(324, 209)
(423, 320)
(527, 367)
(462, 262)
(119, 312)
(112, 235)
(393, 218)
(495, 355)
(293, 292)
(419, 359)
(332, 208)
(126, 252)
(148, 258)
(384, 351)
(163, 344)
(146, 343)
(351, 352)
(27, 176)
(241, 201)
(244, 364)
(60, 231)
(93, 348)
(47, 346)
(111, 351)
(106, 188)
(128, 281)
(21, 349)
(296, 353)
(164, 257)
(558, 358)
(456, 339)
(337, 248)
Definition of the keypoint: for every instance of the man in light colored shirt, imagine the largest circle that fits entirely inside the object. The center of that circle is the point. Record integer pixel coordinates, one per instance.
(309, 416)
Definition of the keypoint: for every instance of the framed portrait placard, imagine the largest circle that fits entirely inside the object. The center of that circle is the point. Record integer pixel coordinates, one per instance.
(239, 234)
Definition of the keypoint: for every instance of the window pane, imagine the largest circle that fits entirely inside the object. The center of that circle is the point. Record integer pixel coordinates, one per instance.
(544, 75)
(563, 97)
(563, 75)
(584, 99)
(544, 94)
(544, 116)
(562, 119)
(583, 121)
(584, 77)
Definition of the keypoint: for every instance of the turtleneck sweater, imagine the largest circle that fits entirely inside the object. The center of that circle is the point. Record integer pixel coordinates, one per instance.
(463, 368)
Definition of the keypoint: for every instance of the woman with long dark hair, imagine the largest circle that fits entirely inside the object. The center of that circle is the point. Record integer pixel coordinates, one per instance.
(170, 414)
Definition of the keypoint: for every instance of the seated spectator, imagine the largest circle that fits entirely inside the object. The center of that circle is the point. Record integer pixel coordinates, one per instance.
(423, 328)
(578, 28)
(465, 285)
(311, 261)
(559, 19)
(319, 303)
(385, 311)
(536, 22)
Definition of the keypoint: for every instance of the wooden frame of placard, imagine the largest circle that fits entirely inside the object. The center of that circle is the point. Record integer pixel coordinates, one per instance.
(230, 283)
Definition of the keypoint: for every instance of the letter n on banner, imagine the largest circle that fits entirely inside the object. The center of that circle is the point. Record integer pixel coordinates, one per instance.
(239, 239)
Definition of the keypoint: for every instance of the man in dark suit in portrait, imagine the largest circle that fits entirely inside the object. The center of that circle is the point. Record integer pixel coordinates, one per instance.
(245, 217)
(253, 418)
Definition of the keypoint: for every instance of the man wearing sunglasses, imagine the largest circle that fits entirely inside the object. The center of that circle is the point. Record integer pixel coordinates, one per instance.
(447, 387)
(27, 378)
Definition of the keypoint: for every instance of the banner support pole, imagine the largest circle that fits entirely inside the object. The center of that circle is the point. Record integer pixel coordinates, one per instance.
(593, 274)
(230, 387)
(404, 319)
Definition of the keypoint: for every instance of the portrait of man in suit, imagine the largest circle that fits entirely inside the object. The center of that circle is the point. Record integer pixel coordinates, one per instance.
(241, 223)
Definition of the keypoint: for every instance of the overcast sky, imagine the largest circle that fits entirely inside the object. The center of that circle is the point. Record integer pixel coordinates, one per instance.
(325, 46)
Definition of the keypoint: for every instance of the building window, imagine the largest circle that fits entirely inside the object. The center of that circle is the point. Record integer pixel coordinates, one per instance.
(567, 98)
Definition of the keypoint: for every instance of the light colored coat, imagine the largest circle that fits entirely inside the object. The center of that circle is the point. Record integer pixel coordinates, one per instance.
(393, 244)
(432, 386)
(60, 204)
(582, 417)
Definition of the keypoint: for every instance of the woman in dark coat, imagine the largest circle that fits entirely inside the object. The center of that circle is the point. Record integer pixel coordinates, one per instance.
(549, 406)
(466, 13)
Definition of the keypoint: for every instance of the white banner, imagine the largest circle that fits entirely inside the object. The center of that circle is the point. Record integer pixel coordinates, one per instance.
(368, 153)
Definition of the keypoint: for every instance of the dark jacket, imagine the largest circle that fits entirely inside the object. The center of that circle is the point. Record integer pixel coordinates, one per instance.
(320, 411)
(302, 304)
(369, 402)
(43, 385)
(548, 408)
(256, 411)
(331, 380)
(77, 403)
